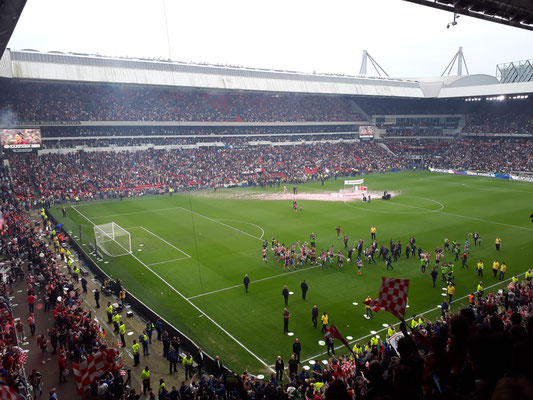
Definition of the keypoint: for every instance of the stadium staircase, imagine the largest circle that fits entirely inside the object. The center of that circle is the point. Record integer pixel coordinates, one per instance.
(358, 110)
(386, 148)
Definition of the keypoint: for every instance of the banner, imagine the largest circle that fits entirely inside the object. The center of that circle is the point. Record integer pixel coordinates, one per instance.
(94, 366)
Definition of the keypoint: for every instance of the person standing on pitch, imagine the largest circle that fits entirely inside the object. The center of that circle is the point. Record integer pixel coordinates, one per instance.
(434, 275)
(297, 349)
(246, 283)
(305, 288)
(286, 316)
(314, 316)
(498, 243)
(325, 320)
(285, 294)
(279, 367)
(330, 340)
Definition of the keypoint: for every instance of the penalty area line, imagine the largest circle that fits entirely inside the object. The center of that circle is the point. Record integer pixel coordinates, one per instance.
(221, 223)
(164, 241)
(169, 261)
(192, 304)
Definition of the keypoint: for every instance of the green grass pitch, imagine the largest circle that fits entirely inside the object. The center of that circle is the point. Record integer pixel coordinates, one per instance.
(191, 251)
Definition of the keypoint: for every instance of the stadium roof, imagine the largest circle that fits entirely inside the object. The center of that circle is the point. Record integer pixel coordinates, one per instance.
(10, 11)
(517, 13)
(73, 67)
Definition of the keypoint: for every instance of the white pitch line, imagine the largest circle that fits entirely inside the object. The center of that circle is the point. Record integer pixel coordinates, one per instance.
(468, 217)
(164, 241)
(245, 222)
(191, 303)
(408, 319)
(186, 209)
(135, 212)
(169, 261)
(259, 280)
(221, 223)
(486, 220)
(441, 212)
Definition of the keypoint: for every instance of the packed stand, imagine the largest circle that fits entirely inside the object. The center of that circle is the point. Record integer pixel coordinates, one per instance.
(497, 155)
(12, 356)
(76, 335)
(93, 174)
(30, 102)
(506, 123)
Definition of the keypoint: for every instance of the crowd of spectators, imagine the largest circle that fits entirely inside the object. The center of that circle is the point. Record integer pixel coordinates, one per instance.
(496, 155)
(93, 173)
(506, 123)
(28, 256)
(31, 101)
(12, 356)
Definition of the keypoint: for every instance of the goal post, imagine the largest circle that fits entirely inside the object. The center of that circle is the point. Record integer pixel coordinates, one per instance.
(354, 185)
(112, 239)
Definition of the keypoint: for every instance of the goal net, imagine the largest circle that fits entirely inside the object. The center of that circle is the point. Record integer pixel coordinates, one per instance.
(352, 186)
(112, 239)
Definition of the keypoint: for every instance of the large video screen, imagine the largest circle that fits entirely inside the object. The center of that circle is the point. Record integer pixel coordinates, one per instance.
(20, 138)
(366, 132)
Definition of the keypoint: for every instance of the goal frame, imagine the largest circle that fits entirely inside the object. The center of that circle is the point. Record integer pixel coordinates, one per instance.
(354, 185)
(111, 237)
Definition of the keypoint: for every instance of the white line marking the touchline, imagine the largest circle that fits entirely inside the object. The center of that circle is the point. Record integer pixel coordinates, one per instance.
(191, 303)
(408, 319)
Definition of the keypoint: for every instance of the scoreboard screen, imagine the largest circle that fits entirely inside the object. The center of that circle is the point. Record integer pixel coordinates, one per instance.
(20, 138)
(366, 132)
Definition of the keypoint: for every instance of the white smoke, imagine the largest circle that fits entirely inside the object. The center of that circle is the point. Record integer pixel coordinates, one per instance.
(8, 119)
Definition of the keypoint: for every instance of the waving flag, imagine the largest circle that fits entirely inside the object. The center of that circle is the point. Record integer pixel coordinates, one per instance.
(8, 393)
(95, 365)
(333, 331)
(393, 296)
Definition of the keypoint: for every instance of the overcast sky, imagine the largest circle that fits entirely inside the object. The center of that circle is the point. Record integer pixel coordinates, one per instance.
(407, 40)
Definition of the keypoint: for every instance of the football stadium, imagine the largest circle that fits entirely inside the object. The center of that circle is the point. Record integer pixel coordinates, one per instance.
(179, 230)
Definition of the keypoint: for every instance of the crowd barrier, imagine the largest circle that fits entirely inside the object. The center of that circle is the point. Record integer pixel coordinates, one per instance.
(472, 173)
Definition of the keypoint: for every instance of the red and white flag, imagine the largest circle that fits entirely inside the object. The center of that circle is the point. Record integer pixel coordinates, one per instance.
(8, 393)
(393, 296)
(23, 357)
(95, 365)
(333, 331)
(348, 368)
